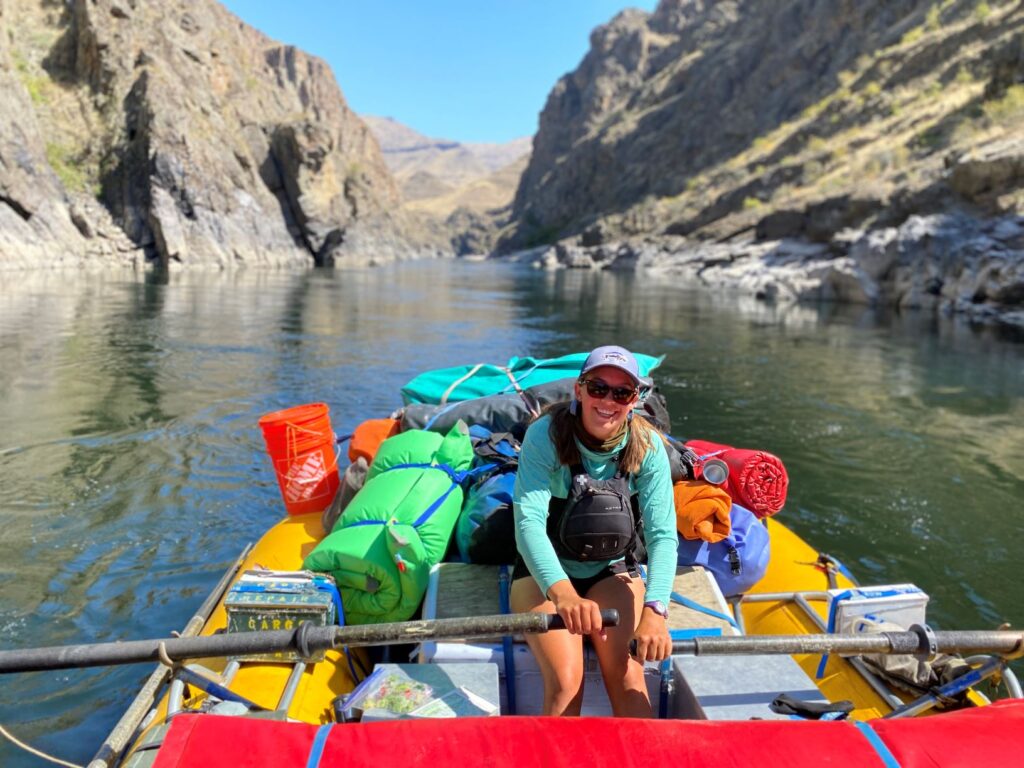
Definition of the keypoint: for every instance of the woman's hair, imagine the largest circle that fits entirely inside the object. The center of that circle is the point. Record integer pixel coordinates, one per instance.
(563, 436)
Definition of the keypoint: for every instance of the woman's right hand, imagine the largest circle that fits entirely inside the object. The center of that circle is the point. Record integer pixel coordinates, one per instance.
(581, 616)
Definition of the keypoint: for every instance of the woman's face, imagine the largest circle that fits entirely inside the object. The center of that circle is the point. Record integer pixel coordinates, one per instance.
(603, 418)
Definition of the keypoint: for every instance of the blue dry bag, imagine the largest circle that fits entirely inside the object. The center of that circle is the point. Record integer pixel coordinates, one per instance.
(485, 531)
(738, 561)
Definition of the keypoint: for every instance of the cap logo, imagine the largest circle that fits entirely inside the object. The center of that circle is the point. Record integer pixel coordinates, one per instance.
(614, 356)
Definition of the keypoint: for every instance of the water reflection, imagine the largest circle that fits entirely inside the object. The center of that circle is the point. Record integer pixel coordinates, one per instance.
(132, 472)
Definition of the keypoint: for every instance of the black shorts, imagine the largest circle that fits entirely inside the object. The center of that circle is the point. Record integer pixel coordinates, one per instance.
(581, 585)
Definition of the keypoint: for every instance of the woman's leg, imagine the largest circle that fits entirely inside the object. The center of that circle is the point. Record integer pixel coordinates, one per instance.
(559, 654)
(623, 675)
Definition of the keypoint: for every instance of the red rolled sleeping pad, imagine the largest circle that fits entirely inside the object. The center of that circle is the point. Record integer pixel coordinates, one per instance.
(757, 479)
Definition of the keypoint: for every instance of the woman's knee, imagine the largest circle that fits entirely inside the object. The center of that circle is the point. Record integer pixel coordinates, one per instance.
(622, 673)
(563, 693)
(565, 679)
(627, 692)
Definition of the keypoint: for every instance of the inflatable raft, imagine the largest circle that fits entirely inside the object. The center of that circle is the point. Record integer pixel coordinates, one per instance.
(434, 700)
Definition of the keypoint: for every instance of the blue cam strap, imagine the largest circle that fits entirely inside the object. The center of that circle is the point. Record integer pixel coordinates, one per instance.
(665, 668)
(439, 414)
(887, 757)
(317, 750)
(686, 602)
(695, 606)
(213, 688)
(455, 476)
(831, 627)
(429, 511)
(328, 586)
(504, 597)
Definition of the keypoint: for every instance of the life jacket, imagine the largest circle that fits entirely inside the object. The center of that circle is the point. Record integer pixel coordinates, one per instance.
(599, 520)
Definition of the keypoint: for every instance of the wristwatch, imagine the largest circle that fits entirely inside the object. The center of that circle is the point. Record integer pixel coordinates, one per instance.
(658, 607)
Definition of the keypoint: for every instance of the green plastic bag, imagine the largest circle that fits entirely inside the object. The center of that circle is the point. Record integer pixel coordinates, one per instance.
(397, 526)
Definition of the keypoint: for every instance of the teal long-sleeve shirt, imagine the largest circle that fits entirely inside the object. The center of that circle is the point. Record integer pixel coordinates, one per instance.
(540, 476)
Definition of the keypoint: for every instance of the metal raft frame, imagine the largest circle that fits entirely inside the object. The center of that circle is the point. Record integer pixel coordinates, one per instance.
(142, 709)
(140, 713)
(989, 666)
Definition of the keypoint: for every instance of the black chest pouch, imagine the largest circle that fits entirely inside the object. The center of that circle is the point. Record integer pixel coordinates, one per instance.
(598, 521)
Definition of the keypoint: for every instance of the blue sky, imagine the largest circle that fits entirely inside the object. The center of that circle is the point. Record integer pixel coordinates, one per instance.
(454, 69)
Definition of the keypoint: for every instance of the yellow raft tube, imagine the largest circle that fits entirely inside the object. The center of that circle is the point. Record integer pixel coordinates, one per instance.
(788, 600)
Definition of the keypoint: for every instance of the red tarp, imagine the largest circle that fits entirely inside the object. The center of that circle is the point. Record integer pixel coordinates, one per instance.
(985, 736)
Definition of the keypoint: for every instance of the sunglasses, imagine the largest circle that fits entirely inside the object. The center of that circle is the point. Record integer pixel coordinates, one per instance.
(599, 390)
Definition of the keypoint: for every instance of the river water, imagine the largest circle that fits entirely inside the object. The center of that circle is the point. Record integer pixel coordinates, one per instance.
(132, 471)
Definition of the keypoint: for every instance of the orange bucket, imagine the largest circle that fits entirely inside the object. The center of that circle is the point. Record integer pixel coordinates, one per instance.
(300, 443)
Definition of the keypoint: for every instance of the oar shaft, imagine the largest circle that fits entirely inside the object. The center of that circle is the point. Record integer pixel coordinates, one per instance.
(1003, 643)
(306, 640)
(136, 651)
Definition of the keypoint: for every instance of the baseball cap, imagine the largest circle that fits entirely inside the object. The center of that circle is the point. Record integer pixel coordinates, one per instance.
(613, 357)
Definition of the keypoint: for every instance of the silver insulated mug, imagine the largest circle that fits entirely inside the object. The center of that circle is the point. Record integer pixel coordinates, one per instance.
(715, 471)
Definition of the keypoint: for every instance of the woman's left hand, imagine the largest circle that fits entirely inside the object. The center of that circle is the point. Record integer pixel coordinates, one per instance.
(653, 642)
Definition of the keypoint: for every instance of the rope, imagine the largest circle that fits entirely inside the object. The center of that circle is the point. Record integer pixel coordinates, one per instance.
(455, 384)
(530, 408)
(161, 652)
(32, 750)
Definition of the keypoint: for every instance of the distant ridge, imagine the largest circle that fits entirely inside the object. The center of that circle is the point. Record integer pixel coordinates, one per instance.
(462, 189)
(452, 163)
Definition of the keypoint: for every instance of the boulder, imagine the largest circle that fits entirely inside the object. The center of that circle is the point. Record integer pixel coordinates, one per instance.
(987, 171)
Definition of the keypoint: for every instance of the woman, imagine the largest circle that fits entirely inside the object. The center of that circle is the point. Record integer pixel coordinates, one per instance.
(583, 468)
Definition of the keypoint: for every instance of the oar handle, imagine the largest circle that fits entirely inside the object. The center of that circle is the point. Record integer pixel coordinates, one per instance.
(609, 618)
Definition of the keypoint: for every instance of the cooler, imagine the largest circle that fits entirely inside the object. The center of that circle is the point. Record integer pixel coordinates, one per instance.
(275, 600)
(902, 604)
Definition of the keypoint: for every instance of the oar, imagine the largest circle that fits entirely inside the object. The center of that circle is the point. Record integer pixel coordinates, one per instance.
(306, 640)
(916, 641)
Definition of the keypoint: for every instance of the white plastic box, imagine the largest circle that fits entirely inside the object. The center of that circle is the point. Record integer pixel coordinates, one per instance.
(529, 685)
(902, 604)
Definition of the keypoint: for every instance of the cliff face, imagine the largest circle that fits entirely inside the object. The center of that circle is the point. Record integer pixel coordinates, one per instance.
(785, 117)
(174, 132)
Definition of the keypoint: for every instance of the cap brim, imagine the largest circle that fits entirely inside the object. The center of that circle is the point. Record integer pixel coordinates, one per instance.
(636, 379)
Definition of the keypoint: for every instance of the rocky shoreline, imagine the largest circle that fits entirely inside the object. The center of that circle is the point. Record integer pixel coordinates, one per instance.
(944, 262)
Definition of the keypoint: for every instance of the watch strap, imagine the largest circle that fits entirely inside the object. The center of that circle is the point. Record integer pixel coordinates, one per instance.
(658, 607)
